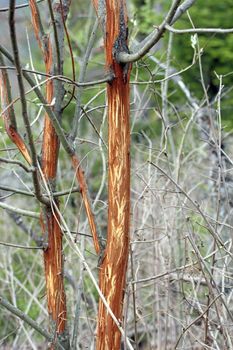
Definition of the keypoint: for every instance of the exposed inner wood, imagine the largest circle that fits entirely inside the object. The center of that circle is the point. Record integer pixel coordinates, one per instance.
(113, 269)
(53, 258)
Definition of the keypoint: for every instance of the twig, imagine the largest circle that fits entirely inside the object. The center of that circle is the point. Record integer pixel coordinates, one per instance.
(28, 320)
(71, 54)
(23, 212)
(196, 319)
(163, 274)
(145, 46)
(69, 150)
(86, 266)
(57, 46)
(81, 79)
(66, 192)
(16, 190)
(77, 308)
(65, 79)
(39, 195)
(6, 9)
(196, 205)
(94, 127)
(199, 30)
(17, 219)
(31, 194)
(18, 246)
(182, 9)
(134, 298)
(17, 162)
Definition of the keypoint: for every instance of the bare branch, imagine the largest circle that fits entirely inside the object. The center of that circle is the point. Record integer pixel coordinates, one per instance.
(81, 79)
(39, 195)
(69, 150)
(145, 46)
(182, 9)
(199, 30)
(23, 212)
(6, 9)
(18, 246)
(31, 194)
(28, 320)
(196, 319)
(65, 79)
(17, 162)
(212, 230)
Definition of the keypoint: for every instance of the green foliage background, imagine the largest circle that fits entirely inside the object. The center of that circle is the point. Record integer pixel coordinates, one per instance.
(217, 49)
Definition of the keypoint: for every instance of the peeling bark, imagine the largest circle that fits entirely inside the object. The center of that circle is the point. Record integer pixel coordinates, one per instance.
(87, 203)
(54, 271)
(114, 265)
(45, 45)
(53, 257)
(9, 115)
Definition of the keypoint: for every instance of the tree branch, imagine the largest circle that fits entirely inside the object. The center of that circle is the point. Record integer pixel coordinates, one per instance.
(31, 194)
(81, 79)
(199, 30)
(17, 162)
(182, 9)
(65, 79)
(144, 47)
(19, 246)
(67, 147)
(28, 320)
(23, 212)
(6, 9)
(36, 183)
(196, 205)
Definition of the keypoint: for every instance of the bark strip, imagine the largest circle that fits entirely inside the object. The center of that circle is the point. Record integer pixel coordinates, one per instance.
(87, 202)
(9, 114)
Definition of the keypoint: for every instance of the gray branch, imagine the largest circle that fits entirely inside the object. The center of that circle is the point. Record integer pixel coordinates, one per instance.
(28, 320)
(23, 101)
(182, 9)
(199, 30)
(145, 46)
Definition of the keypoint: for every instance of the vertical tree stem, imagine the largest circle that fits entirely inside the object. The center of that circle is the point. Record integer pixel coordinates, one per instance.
(114, 265)
(53, 258)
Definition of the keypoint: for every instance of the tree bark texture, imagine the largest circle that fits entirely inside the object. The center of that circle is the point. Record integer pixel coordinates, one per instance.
(53, 257)
(114, 264)
(8, 114)
(45, 46)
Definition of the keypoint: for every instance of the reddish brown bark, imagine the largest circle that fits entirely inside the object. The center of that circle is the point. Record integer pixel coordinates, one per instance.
(11, 129)
(50, 147)
(50, 137)
(51, 228)
(54, 271)
(35, 21)
(113, 269)
(53, 259)
(84, 192)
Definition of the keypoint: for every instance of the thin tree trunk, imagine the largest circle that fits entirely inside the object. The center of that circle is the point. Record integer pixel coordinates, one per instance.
(51, 229)
(114, 264)
(52, 49)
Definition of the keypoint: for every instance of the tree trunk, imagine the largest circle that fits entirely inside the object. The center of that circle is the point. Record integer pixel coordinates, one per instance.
(114, 264)
(50, 223)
